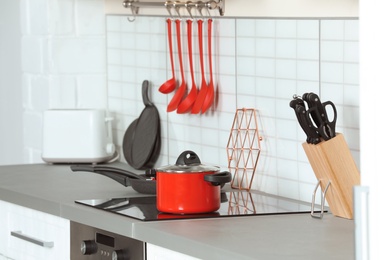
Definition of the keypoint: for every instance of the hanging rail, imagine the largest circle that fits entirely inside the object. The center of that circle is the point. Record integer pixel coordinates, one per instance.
(211, 5)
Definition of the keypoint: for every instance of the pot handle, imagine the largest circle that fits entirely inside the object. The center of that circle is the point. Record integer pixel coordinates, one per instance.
(188, 158)
(218, 178)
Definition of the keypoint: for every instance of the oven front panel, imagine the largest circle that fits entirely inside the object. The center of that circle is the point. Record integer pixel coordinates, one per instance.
(89, 243)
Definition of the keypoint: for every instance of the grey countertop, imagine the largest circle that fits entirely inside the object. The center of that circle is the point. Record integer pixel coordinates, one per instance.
(54, 188)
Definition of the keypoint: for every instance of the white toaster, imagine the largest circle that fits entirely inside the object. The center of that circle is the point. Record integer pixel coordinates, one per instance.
(77, 136)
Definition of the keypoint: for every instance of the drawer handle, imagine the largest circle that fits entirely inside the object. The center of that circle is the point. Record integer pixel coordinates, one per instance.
(33, 240)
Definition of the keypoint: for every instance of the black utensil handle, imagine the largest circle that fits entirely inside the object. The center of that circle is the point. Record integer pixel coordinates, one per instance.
(122, 176)
(218, 178)
(332, 124)
(122, 179)
(145, 93)
(188, 158)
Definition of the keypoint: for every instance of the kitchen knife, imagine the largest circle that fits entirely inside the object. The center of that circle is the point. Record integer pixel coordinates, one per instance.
(300, 111)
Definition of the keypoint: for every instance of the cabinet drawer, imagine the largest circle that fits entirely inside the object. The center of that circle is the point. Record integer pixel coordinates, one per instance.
(32, 234)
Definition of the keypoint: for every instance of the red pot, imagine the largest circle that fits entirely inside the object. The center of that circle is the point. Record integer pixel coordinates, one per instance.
(189, 187)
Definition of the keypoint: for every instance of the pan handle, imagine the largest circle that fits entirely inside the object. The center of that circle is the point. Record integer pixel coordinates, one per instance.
(218, 178)
(119, 175)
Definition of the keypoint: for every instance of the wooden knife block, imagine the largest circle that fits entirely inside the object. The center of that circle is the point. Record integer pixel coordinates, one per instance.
(332, 161)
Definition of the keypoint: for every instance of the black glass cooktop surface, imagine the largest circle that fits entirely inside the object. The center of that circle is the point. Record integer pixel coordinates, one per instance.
(233, 204)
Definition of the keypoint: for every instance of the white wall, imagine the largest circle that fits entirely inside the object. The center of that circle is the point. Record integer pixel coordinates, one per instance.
(63, 62)
(11, 111)
(375, 53)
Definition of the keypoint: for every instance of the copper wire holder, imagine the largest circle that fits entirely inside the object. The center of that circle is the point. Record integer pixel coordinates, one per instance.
(241, 203)
(243, 148)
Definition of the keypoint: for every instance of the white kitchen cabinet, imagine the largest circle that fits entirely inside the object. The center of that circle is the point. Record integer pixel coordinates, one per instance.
(29, 234)
(159, 253)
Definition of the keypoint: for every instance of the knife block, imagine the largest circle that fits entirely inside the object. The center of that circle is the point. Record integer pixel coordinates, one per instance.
(332, 161)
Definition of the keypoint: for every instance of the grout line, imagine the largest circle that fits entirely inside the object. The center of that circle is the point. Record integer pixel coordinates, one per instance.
(319, 58)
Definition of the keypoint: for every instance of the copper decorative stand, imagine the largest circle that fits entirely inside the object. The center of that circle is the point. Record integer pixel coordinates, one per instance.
(241, 203)
(243, 148)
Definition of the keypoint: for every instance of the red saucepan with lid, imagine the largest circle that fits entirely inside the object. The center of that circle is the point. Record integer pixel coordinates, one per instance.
(189, 187)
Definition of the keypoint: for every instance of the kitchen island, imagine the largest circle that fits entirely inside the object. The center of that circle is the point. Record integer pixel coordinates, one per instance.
(53, 189)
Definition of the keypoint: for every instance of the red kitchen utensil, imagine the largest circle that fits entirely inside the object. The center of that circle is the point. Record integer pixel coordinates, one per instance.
(169, 85)
(208, 101)
(203, 89)
(187, 103)
(176, 99)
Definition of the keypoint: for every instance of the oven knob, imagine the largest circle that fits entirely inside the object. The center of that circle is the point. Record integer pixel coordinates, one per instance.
(118, 255)
(88, 247)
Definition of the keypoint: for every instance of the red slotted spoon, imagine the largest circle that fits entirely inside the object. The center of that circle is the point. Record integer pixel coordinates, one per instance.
(208, 101)
(180, 91)
(187, 103)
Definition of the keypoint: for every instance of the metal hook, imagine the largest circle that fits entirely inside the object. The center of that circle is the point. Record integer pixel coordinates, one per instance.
(199, 7)
(176, 5)
(168, 6)
(134, 12)
(189, 7)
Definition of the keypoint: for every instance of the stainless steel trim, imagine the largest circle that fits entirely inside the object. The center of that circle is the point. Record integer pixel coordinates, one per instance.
(33, 240)
(323, 195)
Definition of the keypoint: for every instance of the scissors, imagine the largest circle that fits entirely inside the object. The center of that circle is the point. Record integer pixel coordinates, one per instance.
(317, 115)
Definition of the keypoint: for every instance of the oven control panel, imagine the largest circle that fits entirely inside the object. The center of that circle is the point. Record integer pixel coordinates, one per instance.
(89, 243)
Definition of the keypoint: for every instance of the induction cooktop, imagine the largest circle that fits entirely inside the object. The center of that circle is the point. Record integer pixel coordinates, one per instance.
(233, 204)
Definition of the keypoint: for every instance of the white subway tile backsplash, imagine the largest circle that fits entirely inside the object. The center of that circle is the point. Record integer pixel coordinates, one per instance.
(245, 28)
(265, 28)
(286, 48)
(88, 19)
(308, 70)
(246, 46)
(94, 85)
(247, 66)
(307, 49)
(75, 55)
(258, 63)
(61, 16)
(307, 86)
(351, 95)
(36, 18)
(246, 84)
(31, 129)
(351, 52)
(332, 72)
(351, 30)
(332, 29)
(307, 29)
(39, 93)
(226, 65)
(283, 87)
(286, 29)
(63, 92)
(265, 87)
(332, 51)
(265, 47)
(286, 69)
(265, 67)
(333, 92)
(288, 188)
(288, 169)
(34, 53)
(351, 73)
